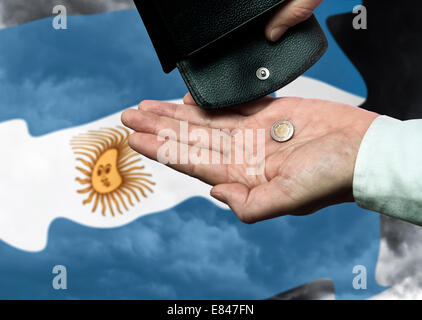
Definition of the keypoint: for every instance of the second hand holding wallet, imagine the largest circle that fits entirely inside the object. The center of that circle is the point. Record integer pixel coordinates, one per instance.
(220, 48)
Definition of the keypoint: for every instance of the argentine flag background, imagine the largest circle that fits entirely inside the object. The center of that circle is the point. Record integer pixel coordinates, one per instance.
(61, 90)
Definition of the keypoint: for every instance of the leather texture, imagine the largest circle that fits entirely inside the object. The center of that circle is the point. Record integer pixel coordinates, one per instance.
(180, 28)
(225, 75)
(218, 46)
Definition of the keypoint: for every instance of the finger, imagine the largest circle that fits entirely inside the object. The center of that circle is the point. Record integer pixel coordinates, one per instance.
(252, 205)
(244, 109)
(289, 15)
(187, 133)
(188, 99)
(193, 114)
(184, 160)
(254, 107)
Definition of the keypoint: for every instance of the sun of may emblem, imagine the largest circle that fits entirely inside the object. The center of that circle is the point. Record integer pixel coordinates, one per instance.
(110, 169)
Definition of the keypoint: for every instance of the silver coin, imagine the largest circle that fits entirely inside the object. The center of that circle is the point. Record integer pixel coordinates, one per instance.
(282, 131)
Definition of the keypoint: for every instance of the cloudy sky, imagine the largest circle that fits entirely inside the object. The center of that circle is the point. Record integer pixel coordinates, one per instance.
(400, 259)
(13, 12)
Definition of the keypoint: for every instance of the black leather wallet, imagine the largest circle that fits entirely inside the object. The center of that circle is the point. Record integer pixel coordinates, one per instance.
(220, 49)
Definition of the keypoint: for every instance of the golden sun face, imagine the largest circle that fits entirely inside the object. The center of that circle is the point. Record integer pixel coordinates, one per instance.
(105, 176)
(111, 170)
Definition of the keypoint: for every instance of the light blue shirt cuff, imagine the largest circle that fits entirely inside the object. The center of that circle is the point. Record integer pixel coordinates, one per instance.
(388, 170)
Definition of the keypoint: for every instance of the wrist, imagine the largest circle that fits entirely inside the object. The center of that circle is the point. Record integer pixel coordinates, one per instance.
(360, 128)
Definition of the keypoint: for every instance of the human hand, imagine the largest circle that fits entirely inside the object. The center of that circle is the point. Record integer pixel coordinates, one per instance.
(311, 171)
(288, 15)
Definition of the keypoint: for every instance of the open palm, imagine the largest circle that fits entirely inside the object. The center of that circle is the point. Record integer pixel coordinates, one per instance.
(311, 171)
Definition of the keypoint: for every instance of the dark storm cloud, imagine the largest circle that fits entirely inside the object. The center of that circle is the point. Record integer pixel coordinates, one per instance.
(14, 12)
(317, 290)
(400, 258)
(399, 235)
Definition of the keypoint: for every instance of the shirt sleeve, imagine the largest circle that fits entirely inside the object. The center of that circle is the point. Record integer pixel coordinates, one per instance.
(388, 170)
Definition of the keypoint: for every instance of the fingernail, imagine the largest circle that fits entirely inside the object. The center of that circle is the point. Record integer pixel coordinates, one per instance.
(218, 196)
(276, 34)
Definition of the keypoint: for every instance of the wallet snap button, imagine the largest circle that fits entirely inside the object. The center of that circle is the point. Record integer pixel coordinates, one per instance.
(263, 73)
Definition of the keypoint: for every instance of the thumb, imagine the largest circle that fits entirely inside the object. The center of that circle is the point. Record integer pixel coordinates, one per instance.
(289, 15)
(235, 195)
(265, 201)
